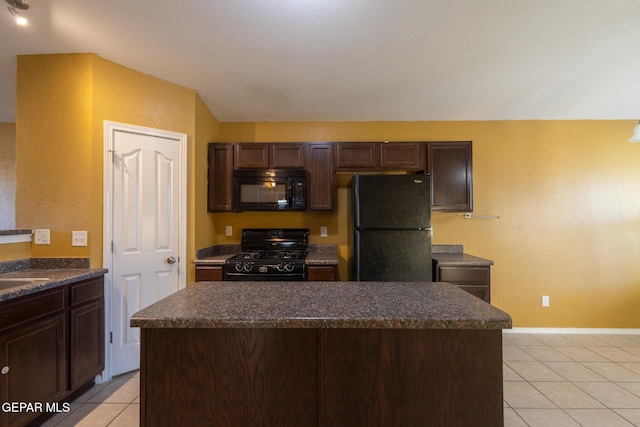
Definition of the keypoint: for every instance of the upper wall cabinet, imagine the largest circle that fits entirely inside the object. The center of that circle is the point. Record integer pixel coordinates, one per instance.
(380, 155)
(321, 173)
(450, 166)
(269, 156)
(220, 185)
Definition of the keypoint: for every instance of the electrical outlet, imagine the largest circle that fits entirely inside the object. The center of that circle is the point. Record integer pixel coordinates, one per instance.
(79, 238)
(42, 236)
(323, 231)
(545, 300)
(229, 230)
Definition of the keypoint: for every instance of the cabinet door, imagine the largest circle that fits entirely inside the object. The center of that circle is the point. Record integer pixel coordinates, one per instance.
(320, 175)
(449, 164)
(87, 342)
(287, 156)
(356, 155)
(33, 359)
(252, 156)
(402, 155)
(220, 186)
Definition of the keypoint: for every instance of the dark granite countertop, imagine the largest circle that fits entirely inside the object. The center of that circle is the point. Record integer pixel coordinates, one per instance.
(454, 256)
(217, 255)
(401, 305)
(57, 277)
(457, 259)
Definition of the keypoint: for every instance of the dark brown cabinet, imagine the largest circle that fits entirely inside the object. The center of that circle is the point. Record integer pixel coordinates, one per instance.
(356, 155)
(51, 343)
(448, 163)
(450, 166)
(320, 177)
(220, 178)
(380, 155)
(269, 156)
(87, 336)
(331, 377)
(208, 273)
(402, 155)
(321, 273)
(473, 279)
(285, 156)
(33, 366)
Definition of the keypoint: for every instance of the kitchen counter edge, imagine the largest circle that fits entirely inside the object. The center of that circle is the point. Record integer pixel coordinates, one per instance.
(57, 278)
(366, 305)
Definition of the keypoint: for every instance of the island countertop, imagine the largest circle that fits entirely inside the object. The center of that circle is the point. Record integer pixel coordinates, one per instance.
(369, 305)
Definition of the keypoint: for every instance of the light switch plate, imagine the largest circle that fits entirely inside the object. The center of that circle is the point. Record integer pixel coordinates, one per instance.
(79, 238)
(229, 230)
(323, 231)
(42, 236)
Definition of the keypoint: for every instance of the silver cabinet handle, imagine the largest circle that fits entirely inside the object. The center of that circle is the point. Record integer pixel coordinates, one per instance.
(5, 370)
(171, 260)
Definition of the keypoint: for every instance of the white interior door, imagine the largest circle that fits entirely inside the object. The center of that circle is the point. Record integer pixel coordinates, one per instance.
(146, 254)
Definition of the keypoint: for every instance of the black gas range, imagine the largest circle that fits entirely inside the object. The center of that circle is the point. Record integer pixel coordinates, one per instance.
(270, 254)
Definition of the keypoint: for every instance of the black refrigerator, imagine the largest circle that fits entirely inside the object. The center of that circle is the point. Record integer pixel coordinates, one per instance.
(391, 220)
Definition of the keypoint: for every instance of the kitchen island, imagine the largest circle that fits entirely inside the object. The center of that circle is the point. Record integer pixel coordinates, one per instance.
(321, 354)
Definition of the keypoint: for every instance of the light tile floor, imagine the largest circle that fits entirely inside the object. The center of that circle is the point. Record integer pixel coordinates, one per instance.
(114, 404)
(571, 380)
(549, 380)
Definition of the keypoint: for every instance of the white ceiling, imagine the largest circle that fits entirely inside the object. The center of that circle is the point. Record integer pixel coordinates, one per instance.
(282, 60)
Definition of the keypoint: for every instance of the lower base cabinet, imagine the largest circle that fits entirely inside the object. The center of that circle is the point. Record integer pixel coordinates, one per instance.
(472, 279)
(321, 377)
(51, 344)
(321, 273)
(208, 273)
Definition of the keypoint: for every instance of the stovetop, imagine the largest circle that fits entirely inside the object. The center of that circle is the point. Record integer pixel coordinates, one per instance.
(270, 254)
(284, 254)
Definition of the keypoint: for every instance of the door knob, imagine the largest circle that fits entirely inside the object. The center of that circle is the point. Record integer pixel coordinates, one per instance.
(171, 260)
(5, 370)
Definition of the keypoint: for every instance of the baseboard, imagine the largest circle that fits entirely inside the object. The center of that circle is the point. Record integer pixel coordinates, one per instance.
(611, 331)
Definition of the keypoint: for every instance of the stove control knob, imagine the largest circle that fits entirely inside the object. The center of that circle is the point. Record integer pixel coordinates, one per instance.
(288, 267)
(238, 266)
(280, 267)
(247, 266)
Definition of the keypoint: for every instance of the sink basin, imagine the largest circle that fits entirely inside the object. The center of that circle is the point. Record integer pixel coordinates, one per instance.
(12, 282)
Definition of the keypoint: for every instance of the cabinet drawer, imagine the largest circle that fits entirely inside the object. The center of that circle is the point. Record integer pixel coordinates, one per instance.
(321, 273)
(208, 274)
(464, 274)
(15, 312)
(87, 291)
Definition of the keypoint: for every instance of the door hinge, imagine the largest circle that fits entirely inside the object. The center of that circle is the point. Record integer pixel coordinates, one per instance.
(110, 337)
(112, 246)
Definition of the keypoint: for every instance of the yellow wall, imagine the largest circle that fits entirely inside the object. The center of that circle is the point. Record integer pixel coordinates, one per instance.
(13, 251)
(567, 194)
(62, 103)
(7, 175)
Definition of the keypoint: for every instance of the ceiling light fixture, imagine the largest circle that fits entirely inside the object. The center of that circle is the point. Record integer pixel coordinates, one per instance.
(636, 133)
(17, 16)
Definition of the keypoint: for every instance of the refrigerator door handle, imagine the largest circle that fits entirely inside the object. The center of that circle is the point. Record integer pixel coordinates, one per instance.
(356, 256)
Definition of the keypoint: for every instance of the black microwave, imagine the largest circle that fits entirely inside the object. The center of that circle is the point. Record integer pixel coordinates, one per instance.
(270, 190)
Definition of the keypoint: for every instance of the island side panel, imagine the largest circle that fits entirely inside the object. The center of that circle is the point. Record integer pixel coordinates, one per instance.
(400, 377)
(229, 377)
